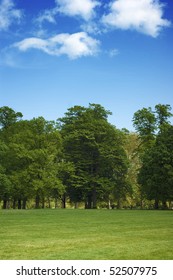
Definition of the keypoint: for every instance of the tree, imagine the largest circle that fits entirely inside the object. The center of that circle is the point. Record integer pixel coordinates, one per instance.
(8, 116)
(45, 153)
(144, 121)
(94, 147)
(153, 126)
(30, 160)
(5, 187)
(163, 114)
(156, 174)
(131, 144)
(147, 122)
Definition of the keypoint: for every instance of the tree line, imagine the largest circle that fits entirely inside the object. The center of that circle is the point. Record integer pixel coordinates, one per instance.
(83, 160)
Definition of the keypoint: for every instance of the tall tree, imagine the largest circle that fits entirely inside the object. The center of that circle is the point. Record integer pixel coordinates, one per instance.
(154, 128)
(5, 183)
(94, 147)
(30, 160)
(156, 174)
(8, 116)
(45, 152)
(144, 121)
(163, 114)
(132, 142)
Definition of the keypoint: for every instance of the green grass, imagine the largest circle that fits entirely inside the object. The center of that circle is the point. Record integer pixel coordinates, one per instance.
(86, 234)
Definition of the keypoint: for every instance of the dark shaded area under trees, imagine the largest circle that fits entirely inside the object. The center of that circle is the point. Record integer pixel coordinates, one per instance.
(83, 160)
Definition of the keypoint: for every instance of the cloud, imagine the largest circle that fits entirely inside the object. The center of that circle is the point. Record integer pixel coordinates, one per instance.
(72, 8)
(84, 8)
(47, 15)
(113, 52)
(73, 45)
(91, 27)
(145, 16)
(8, 14)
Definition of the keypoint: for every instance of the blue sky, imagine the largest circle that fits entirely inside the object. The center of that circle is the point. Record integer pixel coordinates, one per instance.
(55, 54)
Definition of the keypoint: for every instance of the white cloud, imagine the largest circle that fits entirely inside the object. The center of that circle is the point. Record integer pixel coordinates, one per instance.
(82, 8)
(34, 43)
(8, 14)
(47, 15)
(91, 27)
(113, 52)
(145, 16)
(73, 45)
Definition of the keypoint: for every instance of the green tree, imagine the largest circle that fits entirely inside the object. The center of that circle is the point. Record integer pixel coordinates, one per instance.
(95, 148)
(132, 142)
(5, 187)
(147, 123)
(156, 174)
(163, 113)
(31, 160)
(45, 153)
(8, 116)
(151, 127)
(144, 121)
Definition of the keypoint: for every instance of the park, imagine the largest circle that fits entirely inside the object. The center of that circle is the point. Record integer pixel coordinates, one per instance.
(80, 188)
(86, 132)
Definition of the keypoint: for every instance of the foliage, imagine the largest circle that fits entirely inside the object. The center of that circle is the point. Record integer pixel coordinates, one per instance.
(156, 153)
(30, 160)
(82, 159)
(156, 174)
(131, 145)
(8, 116)
(95, 148)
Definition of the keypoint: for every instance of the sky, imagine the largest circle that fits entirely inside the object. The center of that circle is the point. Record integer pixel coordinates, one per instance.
(55, 54)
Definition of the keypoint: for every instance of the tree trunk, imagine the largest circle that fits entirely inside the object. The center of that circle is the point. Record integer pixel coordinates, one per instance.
(4, 204)
(170, 204)
(64, 201)
(86, 204)
(109, 204)
(141, 203)
(141, 199)
(56, 203)
(19, 204)
(76, 205)
(14, 204)
(49, 203)
(37, 202)
(43, 203)
(24, 203)
(119, 203)
(94, 198)
(89, 203)
(164, 205)
(156, 204)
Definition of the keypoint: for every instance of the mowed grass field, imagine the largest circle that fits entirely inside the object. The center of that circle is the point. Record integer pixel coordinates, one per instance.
(86, 234)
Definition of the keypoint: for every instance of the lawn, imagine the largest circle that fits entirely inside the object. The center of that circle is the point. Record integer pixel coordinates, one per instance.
(86, 234)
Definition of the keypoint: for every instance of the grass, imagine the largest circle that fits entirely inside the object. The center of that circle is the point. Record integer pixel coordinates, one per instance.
(86, 235)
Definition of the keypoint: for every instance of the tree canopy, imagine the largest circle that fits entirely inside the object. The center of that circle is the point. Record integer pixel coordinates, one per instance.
(83, 160)
(156, 134)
